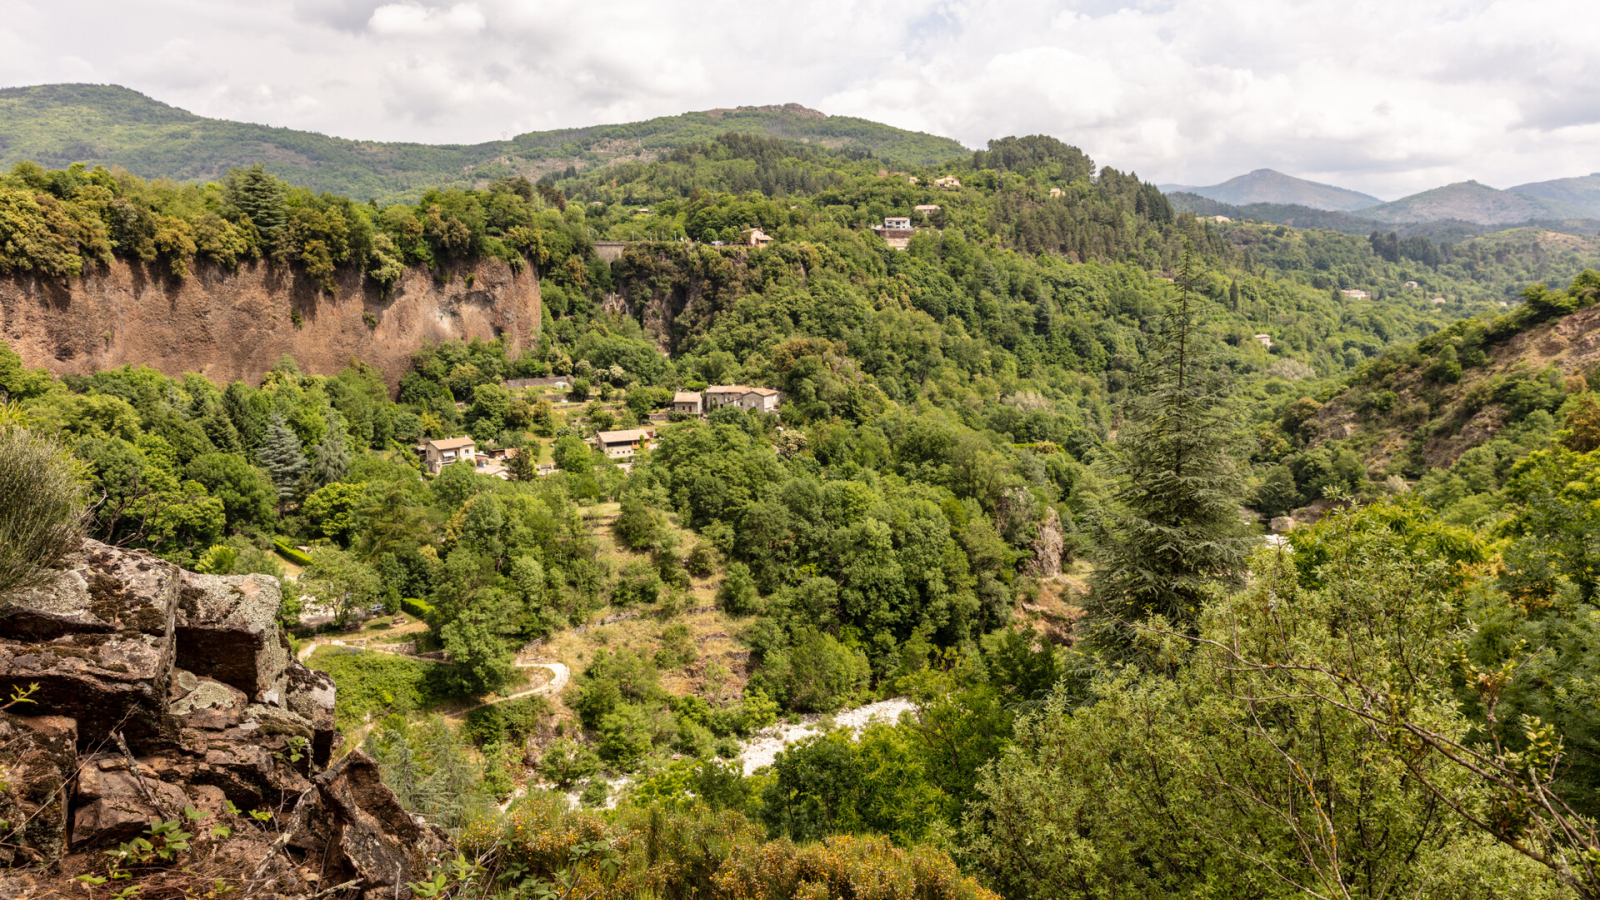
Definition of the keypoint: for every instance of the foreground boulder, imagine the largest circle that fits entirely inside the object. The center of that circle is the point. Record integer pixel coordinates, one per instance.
(160, 695)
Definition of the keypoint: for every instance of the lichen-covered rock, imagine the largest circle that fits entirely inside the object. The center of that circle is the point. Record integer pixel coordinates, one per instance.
(114, 803)
(102, 590)
(227, 630)
(104, 681)
(357, 827)
(38, 758)
(311, 695)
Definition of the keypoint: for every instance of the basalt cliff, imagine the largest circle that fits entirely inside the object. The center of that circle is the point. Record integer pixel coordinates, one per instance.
(235, 325)
(156, 695)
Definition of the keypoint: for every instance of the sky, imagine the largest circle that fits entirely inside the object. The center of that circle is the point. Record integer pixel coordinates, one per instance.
(1389, 98)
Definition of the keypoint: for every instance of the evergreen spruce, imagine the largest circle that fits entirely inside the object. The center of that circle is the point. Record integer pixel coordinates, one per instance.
(259, 196)
(282, 457)
(1173, 530)
(330, 461)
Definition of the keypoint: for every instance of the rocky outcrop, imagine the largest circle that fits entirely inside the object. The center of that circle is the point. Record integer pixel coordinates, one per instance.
(232, 325)
(156, 694)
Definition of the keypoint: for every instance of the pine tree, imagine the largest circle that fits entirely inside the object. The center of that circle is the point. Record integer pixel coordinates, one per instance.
(1173, 529)
(282, 457)
(330, 461)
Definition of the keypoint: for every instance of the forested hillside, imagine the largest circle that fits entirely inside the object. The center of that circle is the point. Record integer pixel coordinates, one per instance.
(61, 124)
(1005, 485)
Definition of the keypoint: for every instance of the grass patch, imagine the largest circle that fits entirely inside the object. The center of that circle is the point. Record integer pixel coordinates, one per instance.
(376, 683)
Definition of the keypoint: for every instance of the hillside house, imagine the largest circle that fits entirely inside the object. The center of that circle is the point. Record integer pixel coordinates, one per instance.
(1356, 295)
(754, 237)
(1412, 284)
(438, 454)
(926, 209)
(1440, 300)
(896, 231)
(1220, 219)
(762, 399)
(948, 182)
(688, 402)
(624, 444)
(1057, 192)
(1265, 340)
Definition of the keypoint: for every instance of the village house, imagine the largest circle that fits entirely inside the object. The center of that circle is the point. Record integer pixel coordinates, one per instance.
(948, 182)
(761, 399)
(754, 237)
(927, 209)
(1439, 300)
(896, 231)
(1412, 284)
(438, 454)
(688, 402)
(1265, 340)
(1356, 295)
(1057, 192)
(623, 444)
(1220, 219)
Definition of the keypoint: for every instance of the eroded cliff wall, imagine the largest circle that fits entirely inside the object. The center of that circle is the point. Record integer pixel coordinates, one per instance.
(235, 325)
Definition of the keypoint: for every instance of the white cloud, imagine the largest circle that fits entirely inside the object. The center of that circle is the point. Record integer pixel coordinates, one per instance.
(1383, 97)
(415, 20)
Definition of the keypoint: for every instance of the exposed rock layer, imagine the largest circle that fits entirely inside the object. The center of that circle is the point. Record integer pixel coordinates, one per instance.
(236, 325)
(160, 692)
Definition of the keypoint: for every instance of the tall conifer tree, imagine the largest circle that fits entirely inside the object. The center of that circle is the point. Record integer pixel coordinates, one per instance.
(330, 461)
(1173, 529)
(282, 456)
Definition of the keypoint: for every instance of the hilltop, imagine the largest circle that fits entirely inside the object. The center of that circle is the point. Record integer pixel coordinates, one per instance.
(1268, 186)
(1470, 201)
(1581, 193)
(60, 124)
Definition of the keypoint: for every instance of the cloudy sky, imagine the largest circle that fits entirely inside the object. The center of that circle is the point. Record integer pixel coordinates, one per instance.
(1386, 97)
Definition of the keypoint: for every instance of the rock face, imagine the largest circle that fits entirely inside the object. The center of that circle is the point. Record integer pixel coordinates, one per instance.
(236, 325)
(160, 691)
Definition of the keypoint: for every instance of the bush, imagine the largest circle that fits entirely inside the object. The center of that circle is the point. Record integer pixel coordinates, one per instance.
(677, 647)
(595, 792)
(419, 608)
(44, 500)
(566, 761)
(506, 722)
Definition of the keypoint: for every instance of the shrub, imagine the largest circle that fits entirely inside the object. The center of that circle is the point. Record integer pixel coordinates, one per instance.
(509, 722)
(43, 500)
(566, 761)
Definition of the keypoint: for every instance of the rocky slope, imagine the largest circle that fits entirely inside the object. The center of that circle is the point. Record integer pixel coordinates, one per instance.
(162, 695)
(236, 325)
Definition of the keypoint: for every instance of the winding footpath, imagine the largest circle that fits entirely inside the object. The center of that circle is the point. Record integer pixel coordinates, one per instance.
(560, 675)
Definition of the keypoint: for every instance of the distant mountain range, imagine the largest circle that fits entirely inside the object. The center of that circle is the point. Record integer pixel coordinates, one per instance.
(1267, 186)
(1468, 202)
(59, 124)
